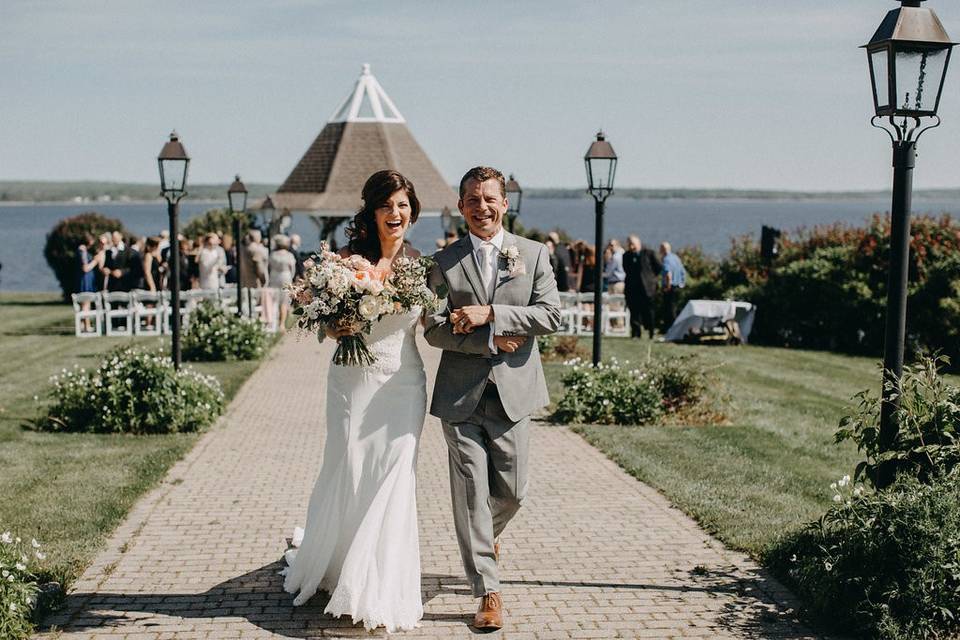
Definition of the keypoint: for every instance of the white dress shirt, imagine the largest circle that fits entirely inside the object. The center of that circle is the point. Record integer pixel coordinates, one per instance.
(497, 242)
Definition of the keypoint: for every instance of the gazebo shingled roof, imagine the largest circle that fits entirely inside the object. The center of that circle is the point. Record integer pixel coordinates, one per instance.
(365, 134)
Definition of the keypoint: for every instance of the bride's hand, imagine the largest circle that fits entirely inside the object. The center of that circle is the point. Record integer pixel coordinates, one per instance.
(335, 333)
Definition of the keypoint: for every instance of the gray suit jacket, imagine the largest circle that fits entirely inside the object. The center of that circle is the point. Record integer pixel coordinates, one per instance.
(523, 304)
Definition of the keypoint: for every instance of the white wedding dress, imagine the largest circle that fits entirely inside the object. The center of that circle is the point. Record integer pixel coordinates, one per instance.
(360, 543)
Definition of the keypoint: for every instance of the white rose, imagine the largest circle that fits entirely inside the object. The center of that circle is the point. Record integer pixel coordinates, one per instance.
(369, 307)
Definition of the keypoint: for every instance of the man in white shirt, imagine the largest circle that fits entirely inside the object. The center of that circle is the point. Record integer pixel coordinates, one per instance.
(500, 294)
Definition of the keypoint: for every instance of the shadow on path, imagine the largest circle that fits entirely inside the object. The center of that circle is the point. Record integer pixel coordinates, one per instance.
(258, 597)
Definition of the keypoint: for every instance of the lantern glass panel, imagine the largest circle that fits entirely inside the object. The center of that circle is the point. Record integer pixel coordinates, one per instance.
(600, 173)
(173, 175)
(881, 88)
(919, 73)
(238, 201)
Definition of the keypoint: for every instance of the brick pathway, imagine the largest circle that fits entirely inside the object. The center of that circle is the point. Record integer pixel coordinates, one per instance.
(593, 553)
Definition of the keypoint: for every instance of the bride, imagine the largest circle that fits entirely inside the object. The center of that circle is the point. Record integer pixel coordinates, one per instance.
(360, 543)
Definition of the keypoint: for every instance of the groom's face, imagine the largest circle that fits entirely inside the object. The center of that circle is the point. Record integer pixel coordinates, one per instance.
(482, 206)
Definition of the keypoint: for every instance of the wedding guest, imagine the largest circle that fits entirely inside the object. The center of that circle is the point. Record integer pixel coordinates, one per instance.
(641, 268)
(230, 251)
(90, 257)
(253, 264)
(282, 269)
(674, 278)
(134, 278)
(211, 262)
(613, 274)
(561, 261)
(295, 244)
(114, 264)
(588, 266)
(151, 265)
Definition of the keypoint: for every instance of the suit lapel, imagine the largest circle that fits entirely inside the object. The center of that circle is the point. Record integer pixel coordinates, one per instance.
(503, 277)
(469, 265)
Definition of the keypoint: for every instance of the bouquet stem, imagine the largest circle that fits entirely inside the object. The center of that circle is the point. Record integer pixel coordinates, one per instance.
(352, 351)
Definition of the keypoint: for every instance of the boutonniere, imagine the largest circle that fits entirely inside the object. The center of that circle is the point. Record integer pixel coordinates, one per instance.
(515, 266)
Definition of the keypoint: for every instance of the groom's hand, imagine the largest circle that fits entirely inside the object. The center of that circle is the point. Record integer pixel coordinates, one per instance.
(466, 319)
(509, 344)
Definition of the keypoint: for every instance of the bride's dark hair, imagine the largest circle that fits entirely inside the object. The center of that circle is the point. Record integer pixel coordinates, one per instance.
(362, 231)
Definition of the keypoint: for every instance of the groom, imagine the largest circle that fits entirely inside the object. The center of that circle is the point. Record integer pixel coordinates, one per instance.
(501, 294)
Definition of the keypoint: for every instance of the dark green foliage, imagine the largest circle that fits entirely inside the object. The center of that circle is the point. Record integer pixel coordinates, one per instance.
(218, 221)
(828, 287)
(215, 335)
(132, 391)
(928, 442)
(615, 393)
(63, 240)
(883, 564)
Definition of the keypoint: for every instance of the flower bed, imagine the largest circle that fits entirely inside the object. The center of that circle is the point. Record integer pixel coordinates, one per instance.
(615, 393)
(132, 391)
(18, 585)
(214, 335)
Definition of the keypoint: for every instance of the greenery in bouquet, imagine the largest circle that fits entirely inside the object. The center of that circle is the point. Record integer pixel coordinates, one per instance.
(18, 585)
(347, 292)
(215, 335)
(133, 390)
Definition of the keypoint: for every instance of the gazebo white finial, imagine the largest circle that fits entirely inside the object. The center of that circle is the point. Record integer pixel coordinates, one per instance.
(368, 102)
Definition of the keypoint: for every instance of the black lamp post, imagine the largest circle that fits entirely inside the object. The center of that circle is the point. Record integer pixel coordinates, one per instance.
(237, 201)
(908, 57)
(601, 163)
(269, 212)
(514, 196)
(174, 162)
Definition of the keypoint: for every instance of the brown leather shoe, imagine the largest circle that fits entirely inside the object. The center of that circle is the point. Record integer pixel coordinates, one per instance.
(490, 614)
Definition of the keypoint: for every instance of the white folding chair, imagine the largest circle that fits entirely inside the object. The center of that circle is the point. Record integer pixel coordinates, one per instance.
(250, 303)
(148, 313)
(81, 315)
(118, 313)
(228, 300)
(616, 316)
(569, 314)
(585, 313)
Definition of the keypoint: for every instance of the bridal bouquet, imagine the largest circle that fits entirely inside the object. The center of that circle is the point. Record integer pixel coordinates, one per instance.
(348, 293)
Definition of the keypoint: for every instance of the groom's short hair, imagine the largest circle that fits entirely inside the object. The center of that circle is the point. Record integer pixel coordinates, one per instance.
(482, 174)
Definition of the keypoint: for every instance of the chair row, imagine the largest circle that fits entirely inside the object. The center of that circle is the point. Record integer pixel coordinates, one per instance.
(148, 313)
(576, 314)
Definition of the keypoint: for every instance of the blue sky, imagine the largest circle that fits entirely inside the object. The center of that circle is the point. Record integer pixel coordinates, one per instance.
(692, 93)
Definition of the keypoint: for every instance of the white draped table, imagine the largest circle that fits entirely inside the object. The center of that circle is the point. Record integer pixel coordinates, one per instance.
(705, 316)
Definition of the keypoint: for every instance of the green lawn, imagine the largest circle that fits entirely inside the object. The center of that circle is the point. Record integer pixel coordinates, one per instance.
(71, 490)
(769, 470)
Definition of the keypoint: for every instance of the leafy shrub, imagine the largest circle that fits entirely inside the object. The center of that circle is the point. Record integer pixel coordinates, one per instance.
(608, 394)
(883, 564)
(214, 334)
(62, 242)
(554, 347)
(681, 381)
(18, 585)
(928, 442)
(132, 391)
(615, 394)
(215, 221)
(828, 287)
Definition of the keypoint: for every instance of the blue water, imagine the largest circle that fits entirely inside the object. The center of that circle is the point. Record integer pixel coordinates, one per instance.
(709, 223)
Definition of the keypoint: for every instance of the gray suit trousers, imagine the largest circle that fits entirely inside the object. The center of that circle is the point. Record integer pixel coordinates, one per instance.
(488, 481)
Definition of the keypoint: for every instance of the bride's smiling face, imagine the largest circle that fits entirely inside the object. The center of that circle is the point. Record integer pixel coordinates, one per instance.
(393, 216)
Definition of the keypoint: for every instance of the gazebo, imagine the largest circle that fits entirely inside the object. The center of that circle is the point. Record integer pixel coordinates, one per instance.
(366, 133)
